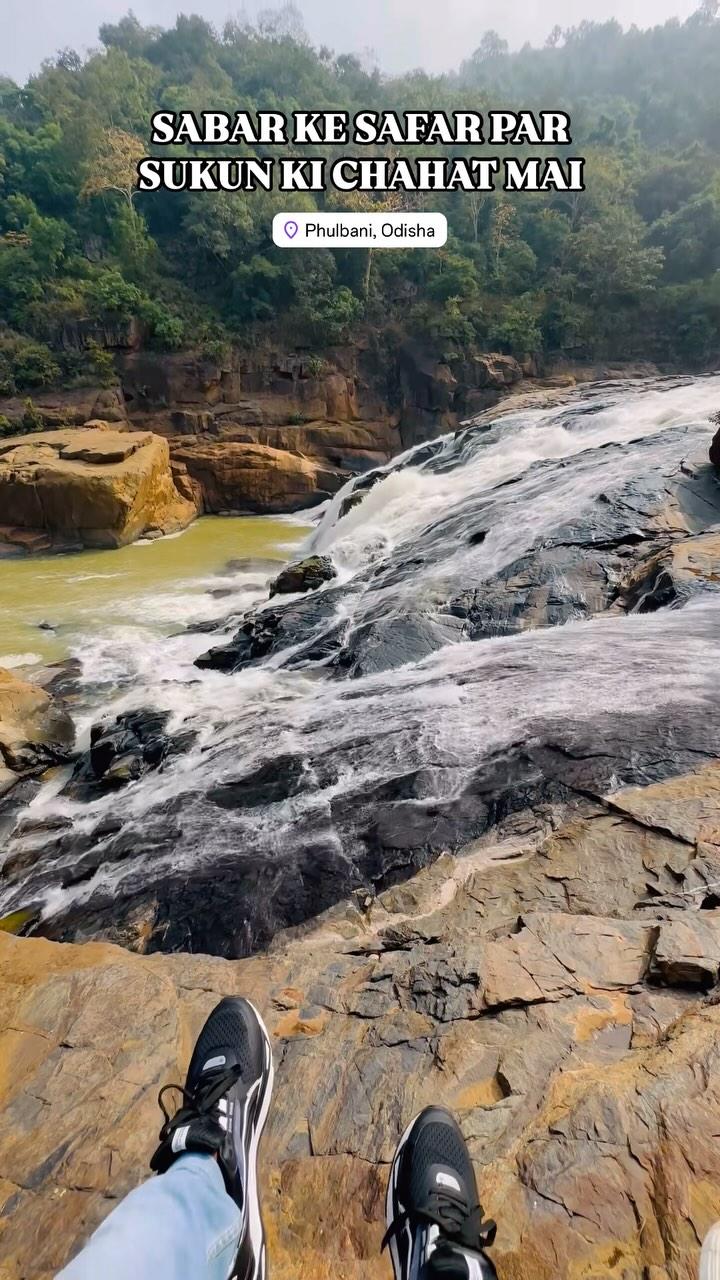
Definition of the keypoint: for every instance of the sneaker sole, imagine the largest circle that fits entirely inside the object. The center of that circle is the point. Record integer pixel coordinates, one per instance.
(254, 1218)
(390, 1213)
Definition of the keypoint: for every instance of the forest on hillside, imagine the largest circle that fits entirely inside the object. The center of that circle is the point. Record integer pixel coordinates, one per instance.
(628, 269)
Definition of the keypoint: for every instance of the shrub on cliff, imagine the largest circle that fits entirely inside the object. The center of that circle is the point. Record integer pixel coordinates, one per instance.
(25, 365)
(166, 331)
(32, 419)
(328, 317)
(108, 293)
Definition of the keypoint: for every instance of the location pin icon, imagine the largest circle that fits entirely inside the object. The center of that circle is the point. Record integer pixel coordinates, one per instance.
(291, 229)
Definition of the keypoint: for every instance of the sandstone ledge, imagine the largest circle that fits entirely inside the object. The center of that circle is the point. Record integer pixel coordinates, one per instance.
(555, 986)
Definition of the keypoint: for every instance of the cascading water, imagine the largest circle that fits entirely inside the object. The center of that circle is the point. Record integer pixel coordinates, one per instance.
(419, 698)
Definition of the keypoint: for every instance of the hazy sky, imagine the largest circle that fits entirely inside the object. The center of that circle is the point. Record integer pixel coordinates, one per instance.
(436, 34)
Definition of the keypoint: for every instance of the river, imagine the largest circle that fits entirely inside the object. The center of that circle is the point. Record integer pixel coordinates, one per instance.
(55, 606)
(484, 652)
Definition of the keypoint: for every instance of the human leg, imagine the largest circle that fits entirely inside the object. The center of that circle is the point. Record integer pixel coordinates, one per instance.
(200, 1219)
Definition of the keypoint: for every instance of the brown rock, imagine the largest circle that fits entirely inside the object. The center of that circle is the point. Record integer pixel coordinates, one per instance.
(687, 951)
(524, 986)
(255, 478)
(352, 446)
(34, 730)
(674, 575)
(557, 955)
(340, 398)
(69, 408)
(180, 379)
(497, 371)
(101, 488)
(687, 808)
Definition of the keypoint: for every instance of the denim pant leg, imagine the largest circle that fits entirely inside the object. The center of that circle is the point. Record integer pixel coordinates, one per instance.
(181, 1225)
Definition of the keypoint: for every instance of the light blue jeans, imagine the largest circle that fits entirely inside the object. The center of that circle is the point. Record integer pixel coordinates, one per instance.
(181, 1225)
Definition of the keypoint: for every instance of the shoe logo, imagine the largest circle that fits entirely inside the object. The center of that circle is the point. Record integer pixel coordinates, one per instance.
(219, 1061)
(447, 1180)
(180, 1138)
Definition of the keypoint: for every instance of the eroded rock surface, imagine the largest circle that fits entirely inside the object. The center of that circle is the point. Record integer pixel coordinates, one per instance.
(95, 487)
(556, 988)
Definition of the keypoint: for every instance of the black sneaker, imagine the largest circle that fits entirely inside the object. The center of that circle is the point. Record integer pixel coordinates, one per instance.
(435, 1223)
(225, 1104)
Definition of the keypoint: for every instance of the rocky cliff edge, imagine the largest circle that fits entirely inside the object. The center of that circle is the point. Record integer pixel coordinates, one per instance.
(556, 986)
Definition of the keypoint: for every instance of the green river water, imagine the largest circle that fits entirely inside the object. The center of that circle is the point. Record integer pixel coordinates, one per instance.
(160, 585)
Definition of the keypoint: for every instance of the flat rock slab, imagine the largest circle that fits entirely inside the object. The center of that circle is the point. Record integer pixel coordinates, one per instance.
(98, 455)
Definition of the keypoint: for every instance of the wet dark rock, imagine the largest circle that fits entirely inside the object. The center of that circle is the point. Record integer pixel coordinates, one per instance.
(63, 679)
(110, 846)
(256, 638)
(627, 547)
(276, 780)
(263, 878)
(43, 826)
(389, 643)
(360, 488)
(715, 449)
(34, 757)
(310, 628)
(548, 587)
(122, 751)
(307, 575)
(583, 568)
(15, 795)
(323, 841)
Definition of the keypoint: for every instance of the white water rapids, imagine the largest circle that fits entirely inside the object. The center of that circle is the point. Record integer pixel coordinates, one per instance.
(405, 548)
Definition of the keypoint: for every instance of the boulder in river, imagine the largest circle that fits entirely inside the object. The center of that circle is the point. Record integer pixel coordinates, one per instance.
(307, 575)
(309, 628)
(122, 751)
(65, 490)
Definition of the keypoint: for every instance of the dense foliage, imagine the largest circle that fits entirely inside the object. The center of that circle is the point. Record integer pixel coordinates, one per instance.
(630, 268)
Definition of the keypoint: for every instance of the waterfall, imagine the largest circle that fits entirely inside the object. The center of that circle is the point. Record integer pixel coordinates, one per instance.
(477, 655)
